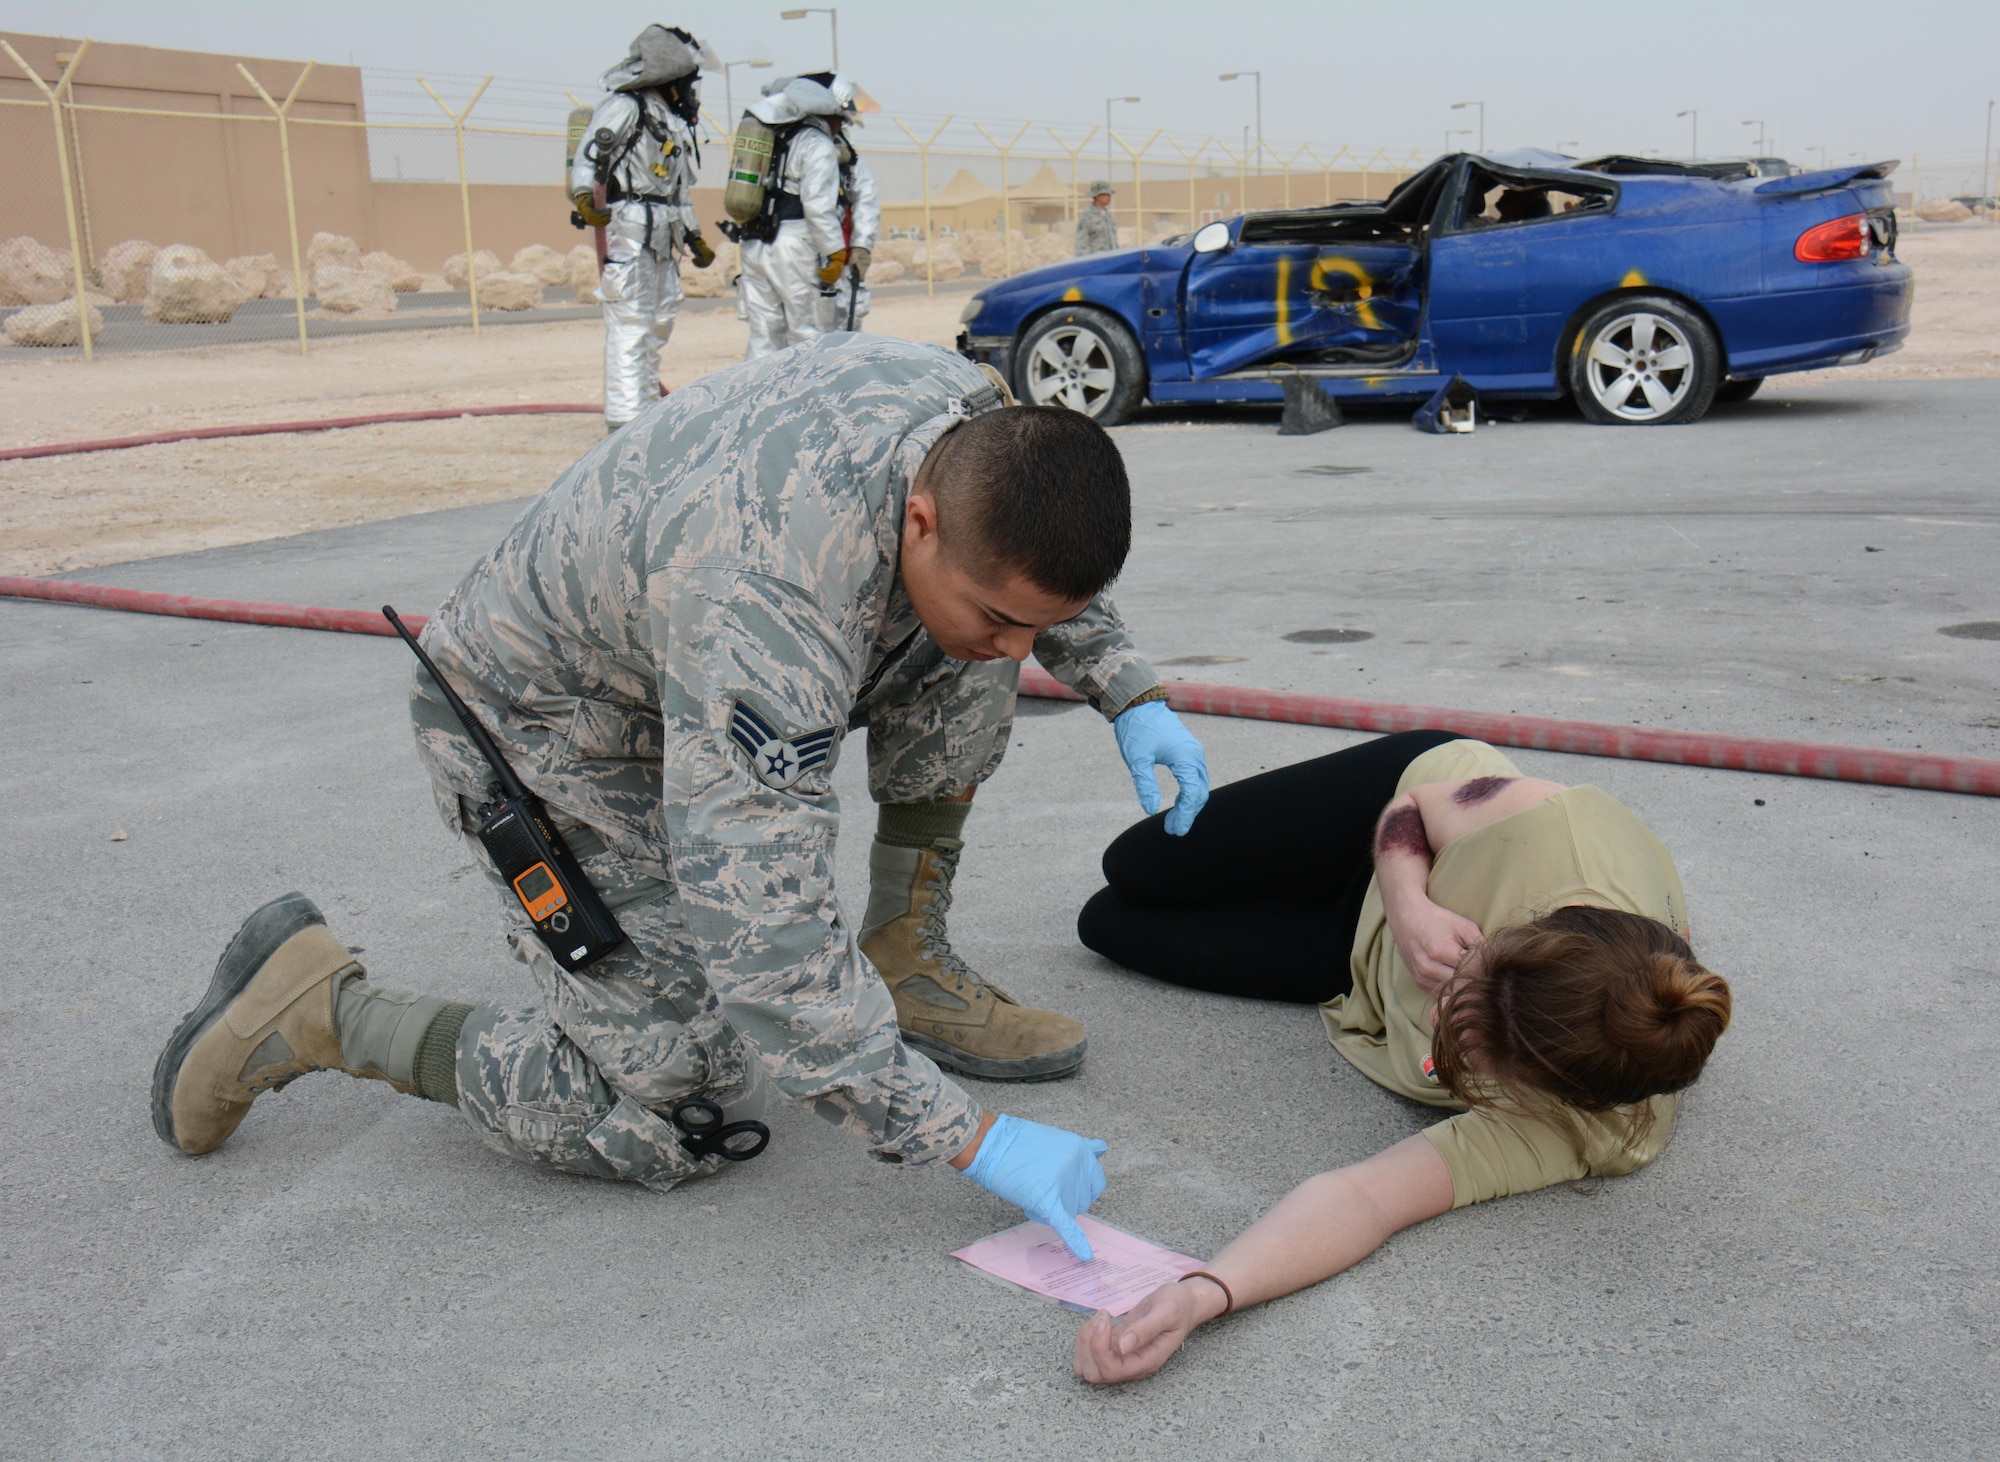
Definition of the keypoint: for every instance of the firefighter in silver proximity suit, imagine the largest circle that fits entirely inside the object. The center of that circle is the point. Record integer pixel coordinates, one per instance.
(807, 279)
(648, 215)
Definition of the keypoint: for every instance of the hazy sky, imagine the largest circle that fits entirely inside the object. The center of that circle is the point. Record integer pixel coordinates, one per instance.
(1878, 79)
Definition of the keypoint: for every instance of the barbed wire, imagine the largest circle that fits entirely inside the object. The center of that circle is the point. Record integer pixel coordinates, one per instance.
(393, 95)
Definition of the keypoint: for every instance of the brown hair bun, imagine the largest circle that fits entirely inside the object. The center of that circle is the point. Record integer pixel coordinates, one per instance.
(1595, 1008)
(1667, 1017)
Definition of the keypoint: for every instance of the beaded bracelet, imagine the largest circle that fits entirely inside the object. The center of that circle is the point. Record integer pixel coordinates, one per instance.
(1228, 1299)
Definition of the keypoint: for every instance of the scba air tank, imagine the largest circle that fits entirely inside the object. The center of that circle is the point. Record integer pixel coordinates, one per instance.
(749, 167)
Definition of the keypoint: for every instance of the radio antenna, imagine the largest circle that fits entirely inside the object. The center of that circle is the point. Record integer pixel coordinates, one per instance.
(509, 783)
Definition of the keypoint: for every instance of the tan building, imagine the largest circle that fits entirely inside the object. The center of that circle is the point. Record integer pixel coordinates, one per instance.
(1044, 202)
(965, 204)
(962, 205)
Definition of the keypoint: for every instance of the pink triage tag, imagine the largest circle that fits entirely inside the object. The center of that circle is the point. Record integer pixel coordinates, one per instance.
(1125, 1270)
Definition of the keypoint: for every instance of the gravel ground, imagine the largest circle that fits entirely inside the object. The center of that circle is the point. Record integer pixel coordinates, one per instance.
(64, 514)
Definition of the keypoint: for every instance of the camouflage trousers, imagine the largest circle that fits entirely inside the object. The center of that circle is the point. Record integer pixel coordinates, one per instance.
(587, 1081)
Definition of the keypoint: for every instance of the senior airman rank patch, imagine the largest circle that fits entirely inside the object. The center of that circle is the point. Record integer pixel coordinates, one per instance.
(778, 761)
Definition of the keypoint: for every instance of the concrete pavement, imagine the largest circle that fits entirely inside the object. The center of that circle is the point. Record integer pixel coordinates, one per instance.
(1808, 1272)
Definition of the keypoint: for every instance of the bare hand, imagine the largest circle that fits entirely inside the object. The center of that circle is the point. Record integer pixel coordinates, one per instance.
(1432, 940)
(1138, 1342)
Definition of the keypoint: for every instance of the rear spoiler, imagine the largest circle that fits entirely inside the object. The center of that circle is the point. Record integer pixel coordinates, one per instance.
(1827, 179)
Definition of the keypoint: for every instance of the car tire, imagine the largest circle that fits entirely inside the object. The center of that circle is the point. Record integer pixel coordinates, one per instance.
(1644, 360)
(1084, 359)
(1738, 390)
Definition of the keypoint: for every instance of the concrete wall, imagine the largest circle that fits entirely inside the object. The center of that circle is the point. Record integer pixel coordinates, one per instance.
(191, 179)
(219, 184)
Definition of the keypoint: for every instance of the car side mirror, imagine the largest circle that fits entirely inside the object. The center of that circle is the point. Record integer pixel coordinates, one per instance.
(1211, 238)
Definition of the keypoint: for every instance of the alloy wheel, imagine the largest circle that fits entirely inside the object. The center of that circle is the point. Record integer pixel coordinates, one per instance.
(1072, 366)
(1640, 366)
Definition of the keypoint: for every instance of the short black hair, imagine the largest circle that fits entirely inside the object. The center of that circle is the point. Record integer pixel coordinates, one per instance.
(1040, 490)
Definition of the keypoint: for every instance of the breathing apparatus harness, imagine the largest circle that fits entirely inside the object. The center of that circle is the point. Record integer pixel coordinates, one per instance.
(755, 203)
(753, 182)
(620, 147)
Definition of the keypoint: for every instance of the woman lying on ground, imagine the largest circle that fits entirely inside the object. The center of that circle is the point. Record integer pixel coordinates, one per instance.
(1508, 948)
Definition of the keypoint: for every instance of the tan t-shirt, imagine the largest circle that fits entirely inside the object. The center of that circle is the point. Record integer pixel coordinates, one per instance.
(1579, 847)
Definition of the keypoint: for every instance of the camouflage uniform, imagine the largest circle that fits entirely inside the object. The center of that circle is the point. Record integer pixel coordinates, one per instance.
(1096, 231)
(669, 645)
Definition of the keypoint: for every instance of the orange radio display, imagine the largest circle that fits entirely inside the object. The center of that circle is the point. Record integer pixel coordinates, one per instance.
(539, 892)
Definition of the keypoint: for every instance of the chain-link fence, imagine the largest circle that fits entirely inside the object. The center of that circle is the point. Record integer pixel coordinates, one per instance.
(192, 199)
(197, 199)
(1930, 184)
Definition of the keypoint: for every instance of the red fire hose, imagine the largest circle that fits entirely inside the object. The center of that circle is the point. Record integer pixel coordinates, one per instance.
(184, 606)
(272, 428)
(1977, 775)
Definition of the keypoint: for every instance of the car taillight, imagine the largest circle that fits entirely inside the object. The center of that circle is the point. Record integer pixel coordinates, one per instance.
(1838, 238)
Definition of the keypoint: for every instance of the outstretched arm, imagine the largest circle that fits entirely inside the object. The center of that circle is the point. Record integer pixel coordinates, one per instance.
(1321, 1227)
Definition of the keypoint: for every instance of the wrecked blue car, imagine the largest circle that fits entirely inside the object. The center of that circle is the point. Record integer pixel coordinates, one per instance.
(1644, 290)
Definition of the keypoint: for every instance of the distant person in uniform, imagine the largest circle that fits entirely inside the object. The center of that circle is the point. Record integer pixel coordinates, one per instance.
(1510, 950)
(1096, 229)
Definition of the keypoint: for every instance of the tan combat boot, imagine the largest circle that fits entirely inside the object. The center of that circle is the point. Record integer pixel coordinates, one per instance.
(268, 1018)
(946, 1011)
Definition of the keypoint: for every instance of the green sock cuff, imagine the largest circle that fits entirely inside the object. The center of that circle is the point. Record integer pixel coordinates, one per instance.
(920, 824)
(437, 1055)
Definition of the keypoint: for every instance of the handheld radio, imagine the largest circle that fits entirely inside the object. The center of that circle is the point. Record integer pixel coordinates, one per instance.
(527, 850)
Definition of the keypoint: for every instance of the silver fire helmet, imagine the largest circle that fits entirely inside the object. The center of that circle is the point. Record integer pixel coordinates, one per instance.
(791, 97)
(657, 57)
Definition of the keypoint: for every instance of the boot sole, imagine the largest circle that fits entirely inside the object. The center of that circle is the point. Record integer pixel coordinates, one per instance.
(259, 938)
(1052, 1067)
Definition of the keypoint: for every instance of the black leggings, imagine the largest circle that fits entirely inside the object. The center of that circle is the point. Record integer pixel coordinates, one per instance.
(1263, 895)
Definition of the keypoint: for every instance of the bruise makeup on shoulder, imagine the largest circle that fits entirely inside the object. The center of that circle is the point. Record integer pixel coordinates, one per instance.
(1402, 831)
(1479, 789)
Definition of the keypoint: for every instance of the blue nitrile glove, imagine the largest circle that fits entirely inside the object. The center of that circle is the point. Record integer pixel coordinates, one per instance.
(1049, 1174)
(1152, 735)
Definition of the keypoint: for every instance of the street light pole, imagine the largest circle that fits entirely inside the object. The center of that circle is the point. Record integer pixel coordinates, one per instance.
(1461, 106)
(1107, 129)
(1758, 123)
(833, 21)
(1694, 133)
(1986, 157)
(1258, 78)
(728, 87)
(1451, 132)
